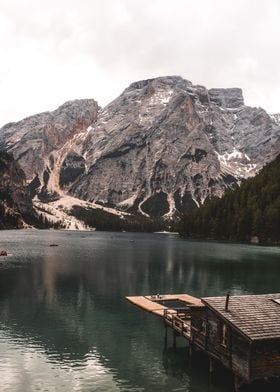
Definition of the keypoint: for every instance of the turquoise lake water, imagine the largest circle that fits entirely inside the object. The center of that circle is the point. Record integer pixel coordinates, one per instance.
(65, 324)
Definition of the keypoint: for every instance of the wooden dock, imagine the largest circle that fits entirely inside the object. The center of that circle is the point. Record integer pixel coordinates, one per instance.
(177, 318)
(149, 303)
(240, 332)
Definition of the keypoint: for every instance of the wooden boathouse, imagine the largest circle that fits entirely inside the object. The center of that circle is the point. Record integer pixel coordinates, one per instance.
(240, 332)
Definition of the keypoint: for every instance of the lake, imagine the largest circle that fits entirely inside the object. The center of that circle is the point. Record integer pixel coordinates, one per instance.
(65, 324)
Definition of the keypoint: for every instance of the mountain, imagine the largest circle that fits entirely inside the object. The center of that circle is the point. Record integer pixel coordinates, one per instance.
(276, 118)
(39, 143)
(15, 201)
(250, 212)
(162, 148)
(166, 145)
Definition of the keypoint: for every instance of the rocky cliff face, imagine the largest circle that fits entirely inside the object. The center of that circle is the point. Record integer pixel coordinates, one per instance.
(276, 117)
(162, 147)
(39, 143)
(166, 145)
(15, 200)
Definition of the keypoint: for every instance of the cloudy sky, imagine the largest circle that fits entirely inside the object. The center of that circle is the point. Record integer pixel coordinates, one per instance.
(57, 50)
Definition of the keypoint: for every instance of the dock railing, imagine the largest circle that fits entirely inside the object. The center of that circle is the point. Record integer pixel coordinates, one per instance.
(179, 319)
(199, 336)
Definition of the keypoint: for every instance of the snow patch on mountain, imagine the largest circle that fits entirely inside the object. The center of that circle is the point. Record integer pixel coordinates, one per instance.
(236, 163)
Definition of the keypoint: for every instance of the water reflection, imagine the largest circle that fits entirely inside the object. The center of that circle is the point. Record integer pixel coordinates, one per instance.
(65, 323)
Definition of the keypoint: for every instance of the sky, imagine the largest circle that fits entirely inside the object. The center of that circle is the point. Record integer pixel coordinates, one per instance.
(52, 51)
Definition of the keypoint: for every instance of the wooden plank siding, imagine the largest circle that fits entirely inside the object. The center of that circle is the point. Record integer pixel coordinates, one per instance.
(235, 356)
(254, 325)
(198, 330)
(265, 359)
(240, 356)
(214, 346)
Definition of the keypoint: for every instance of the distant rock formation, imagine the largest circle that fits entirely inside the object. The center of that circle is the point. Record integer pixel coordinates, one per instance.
(39, 143)
(276, 118)
(15, 201)
(165, 146)
(161, 148)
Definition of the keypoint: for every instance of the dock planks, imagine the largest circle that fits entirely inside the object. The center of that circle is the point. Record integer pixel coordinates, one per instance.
(148, 303)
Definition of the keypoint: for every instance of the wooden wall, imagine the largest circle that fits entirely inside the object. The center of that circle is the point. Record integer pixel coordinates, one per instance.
(265, 360)
(235, 356)
(240, 355)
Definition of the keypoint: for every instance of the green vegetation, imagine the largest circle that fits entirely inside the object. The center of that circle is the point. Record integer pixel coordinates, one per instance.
(42, 222)
(8, 219)
(252, 210)
(103, 220)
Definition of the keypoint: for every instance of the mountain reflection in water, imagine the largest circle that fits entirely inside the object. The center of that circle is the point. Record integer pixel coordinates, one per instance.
(64, 321)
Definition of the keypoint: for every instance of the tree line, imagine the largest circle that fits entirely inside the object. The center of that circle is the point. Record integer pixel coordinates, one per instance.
(103, 220)
(251, 211)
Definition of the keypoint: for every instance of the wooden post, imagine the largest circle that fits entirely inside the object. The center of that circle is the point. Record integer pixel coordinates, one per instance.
(174, 339)
(211, 369)
(165, 337)
(237, 383)
(191, 348)
(227, 302)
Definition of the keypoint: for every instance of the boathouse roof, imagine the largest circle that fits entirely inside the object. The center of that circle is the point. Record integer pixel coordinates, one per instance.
(257, 317)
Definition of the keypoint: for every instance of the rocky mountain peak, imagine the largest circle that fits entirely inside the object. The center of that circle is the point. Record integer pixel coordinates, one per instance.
(38, 142)
(85, 109)
(227, 97)
(161, 80)
(161, 148)
(166, 145)
(276, 118)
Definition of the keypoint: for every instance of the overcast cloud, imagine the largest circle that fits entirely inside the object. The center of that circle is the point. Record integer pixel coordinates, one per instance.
(56, 50)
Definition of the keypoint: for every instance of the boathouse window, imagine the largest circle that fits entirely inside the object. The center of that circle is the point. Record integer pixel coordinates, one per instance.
(224, 335)
(203, 326)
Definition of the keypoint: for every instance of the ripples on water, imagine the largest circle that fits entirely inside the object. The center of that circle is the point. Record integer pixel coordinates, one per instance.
(64, 322)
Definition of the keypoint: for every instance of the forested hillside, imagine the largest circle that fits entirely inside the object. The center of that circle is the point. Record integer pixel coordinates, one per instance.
(252, 210)
(15, 202)
(102, 220)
